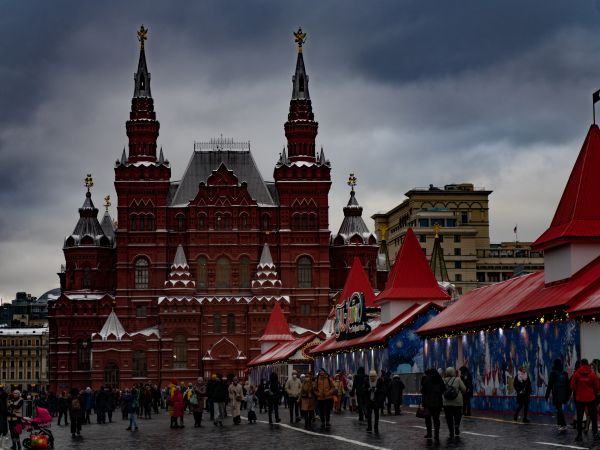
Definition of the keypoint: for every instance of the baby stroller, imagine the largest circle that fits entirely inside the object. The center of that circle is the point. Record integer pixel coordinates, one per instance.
(40, 435)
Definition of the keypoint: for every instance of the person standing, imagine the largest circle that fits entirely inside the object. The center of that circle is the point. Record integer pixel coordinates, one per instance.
(88, 398)
(338, 393)
(101, 403)
(210, 394)
(110, 403)
(178, 408)
(198, 401)
(585, 386)
(522, 385)
(273, 394)
(307, 401)
(3, 415)
(219, 399)
(375, 398)
(251, 404)
(453, 401)
(358, 389)
(155, 398)
(76, 412)
(432, 399)
(467, 380)
(396, 392)
(558, 387)
(130, 405)
(260, 393)
(324, 392)
(236, 395)
(63, 408)
(293, 387)
(15, 413)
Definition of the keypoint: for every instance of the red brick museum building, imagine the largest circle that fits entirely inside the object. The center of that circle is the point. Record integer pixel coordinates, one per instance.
(184, 285)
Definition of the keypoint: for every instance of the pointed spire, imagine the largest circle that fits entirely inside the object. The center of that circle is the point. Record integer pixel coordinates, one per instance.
(180, 260)
(88, 230)
(437, 261)
(265, 258)
(142, 76)
(180, 280)
(124, 157)
(322, 157)
(161, 157)
(277, 329)
(284, 159)
(353, 223)
(411, 277)
(300, 78)
(357, 281)
(112, 327)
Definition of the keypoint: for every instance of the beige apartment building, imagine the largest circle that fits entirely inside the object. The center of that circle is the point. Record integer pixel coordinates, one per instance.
(462, 213)
(24, 358)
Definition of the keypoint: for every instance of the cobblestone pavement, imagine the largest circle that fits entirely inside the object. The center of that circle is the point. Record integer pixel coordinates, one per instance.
(484, 431)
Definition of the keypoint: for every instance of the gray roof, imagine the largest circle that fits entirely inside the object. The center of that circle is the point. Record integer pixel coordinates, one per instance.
(88, 226)
(353, 222)
(108, 226)
(240, 162)
(113, 327)
(266, 260)
(180, 260)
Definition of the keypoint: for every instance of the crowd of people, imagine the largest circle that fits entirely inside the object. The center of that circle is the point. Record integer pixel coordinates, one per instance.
(308, 398)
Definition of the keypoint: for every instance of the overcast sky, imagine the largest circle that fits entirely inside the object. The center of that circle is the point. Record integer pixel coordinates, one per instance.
(406, 93)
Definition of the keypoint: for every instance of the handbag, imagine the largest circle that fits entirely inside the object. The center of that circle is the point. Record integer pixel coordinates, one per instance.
(423, 412)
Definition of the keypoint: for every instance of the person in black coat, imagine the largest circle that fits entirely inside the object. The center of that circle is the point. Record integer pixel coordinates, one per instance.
(101, 403)
(467, 380)
(273, 393)
(396, 391)
(559, 387)
(358, 389)
(375, 394)
(522, 386)
(432, 392)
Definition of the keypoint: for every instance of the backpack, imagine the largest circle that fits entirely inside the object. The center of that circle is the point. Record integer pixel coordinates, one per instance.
(75, 405)
(450, 393)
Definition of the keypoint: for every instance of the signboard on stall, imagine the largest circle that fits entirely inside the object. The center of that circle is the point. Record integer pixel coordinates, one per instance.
(351, 318)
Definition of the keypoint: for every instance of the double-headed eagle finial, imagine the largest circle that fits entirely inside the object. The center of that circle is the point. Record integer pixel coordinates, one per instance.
(299, 38)
(351, 181)
(142, 36)
(88, 181)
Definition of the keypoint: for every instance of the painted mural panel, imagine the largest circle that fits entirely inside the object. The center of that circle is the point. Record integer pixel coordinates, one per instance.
(494, 358)
(350, 362)
(405, 349)
(440, 353)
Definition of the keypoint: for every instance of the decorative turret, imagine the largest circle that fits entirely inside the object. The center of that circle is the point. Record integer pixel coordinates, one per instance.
(107, 224)
(353, 230)
(266, 273)
(301, 128)
(142, 126)
(180, 279)
(112, 329)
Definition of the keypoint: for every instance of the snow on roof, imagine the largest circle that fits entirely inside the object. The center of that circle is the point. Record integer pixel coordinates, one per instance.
(23, 331)
(148, 332)
(112, 327)
(219, 299)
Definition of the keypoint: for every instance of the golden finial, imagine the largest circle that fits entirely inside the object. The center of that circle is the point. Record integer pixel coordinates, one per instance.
(382, 232)
(436, 230)
(142, 36)
(89, 182)
(352, 181)
(300, 38)
(107, 202)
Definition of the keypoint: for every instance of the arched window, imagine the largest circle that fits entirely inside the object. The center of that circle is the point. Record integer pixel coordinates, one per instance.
(217, 323)
(304, 272)
(244, 272)
(141, 273)
(223, 221)
(265, 220)
(179, 352)
(312, 221)
(244, 224)
(180, 222)
(202, 221)
(223, 278)
(111, 375)
(150, 223)
(87, 277)
(139, 364)
(202, 273)
(230, 323)
(84, 351)
(133, 223)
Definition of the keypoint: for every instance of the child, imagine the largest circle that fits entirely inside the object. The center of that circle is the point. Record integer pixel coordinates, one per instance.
(251, 402)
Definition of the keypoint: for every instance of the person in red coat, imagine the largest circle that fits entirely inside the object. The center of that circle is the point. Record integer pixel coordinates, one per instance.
(178, 407)
(585, 386)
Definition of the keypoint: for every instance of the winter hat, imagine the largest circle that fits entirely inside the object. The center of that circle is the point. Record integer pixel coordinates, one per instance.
(450, 372)
(372, 373)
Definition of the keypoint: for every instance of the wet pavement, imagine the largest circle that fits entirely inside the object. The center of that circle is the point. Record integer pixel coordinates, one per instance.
(482, 431)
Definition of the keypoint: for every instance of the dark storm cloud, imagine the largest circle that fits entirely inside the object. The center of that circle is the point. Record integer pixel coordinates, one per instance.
(496, 93)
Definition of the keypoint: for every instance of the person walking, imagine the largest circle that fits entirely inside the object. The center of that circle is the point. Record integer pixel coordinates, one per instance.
(293, 387)
(198, 401)
(88, 398)
(260, 393)
(251, 404)
(522, 385)
(101, 403)
(76, 412)
(396, 392)
(273, 394)
(432, 400)
(453, 401)
(129, 400)
(467, 380)
(63, 408)
(358, 390)
(178, 408)
(338, 393)
(559, 388)
(236, 395)
(210, 394)
(219, 399)
(324, 392)
(585, 386)
(307, 401)
(14, 416)
(110, 403)
(375, 398)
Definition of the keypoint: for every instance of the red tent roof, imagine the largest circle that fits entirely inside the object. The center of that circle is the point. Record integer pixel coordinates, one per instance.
(411, 277)
(357, 281)
(282, 351)
(379, 333)
(518, 298)
(578, 212)
(277, 328)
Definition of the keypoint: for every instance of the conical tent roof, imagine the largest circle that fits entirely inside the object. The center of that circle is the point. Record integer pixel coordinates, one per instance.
(577, 216)
(113, 327)
(411, 277)
(277, 329)
(357, 281)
